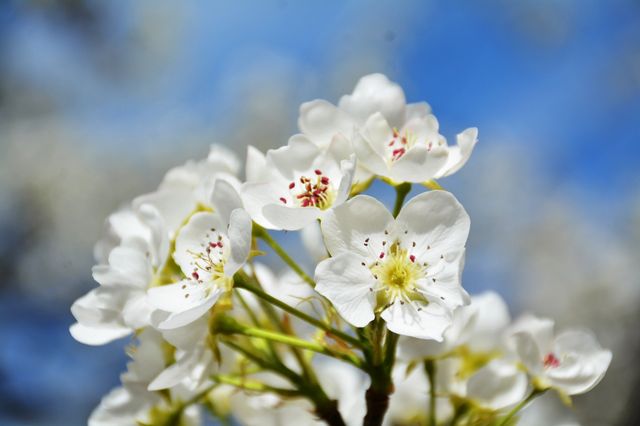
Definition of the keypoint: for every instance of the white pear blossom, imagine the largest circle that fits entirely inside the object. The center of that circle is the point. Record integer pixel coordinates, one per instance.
(119, 305)
(476, 328)
(132, 403)
(572, 362)
(186, 187)
(296, 185)
(414, 153)
(209, 250)
(407, 269)
(391, 138)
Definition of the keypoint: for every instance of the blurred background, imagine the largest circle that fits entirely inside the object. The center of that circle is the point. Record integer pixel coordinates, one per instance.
(99, 99)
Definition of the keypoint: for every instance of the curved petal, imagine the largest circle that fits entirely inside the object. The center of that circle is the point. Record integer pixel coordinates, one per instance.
(312, 241)
(225, 199)
(417, 110)
(436, 222)
(193, 243)
(358, 225)
(97, 336)
(298, 155)
(498, 385)
(256, 165)
(419, 164)
(375, 93)
(255, 196)
(459, 154)
(368, 157)
(348, 286)
(417, 319)
(186, 301)
(322, 120)
(240, 239)
(290, 218)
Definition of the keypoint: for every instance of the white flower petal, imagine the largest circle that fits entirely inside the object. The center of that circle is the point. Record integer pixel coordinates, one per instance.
(418, 164)
(417, 110)
(240, 238)
(347, 284)
(257, 195)
(186, 301)
(290, 218)
(459, 154)
(322, 120)
(256, 166)
(95, 335)
(368, 157)
(417, 319)
(358, 225)
(436, 222)
(298, 155)
(312, 241)
(193, 239)
(497, 385)
(174, 204)
(375, 93)
(225, 199)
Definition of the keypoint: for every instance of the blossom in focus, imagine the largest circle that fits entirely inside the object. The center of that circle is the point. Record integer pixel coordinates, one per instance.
(209, 249)
(391, 138)
(572, 362)
(295, 185)
(407, 269)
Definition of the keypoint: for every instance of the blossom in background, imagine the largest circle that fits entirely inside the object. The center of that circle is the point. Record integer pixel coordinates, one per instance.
(391, 138)
(295, 184)
(119, 305)
(572, 362)
(186, 187)
(132, 403)
(407, 270)
(209, 249)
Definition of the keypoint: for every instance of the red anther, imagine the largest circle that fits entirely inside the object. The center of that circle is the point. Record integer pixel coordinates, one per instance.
(550, 360)
(397, 153)
(284, 201)
(211, 244)
(318, 172)
(220, 244)
(392, 142)
(324, 180)
(381, 255)
(195, 275)
(292, 185)
(412, 258)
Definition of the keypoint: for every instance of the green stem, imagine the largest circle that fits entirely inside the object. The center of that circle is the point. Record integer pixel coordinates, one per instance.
(241, 282)
(401, 193)
(253, 385)
(230, 326)
(262, 233)
(430, 370)
(534, 394)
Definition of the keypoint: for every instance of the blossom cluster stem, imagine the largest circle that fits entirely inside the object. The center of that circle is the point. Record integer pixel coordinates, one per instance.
(262, 233)
(430, 370)
(507, 418)
(241, 282)
(402, 191)
(379, 368)
(228, 325)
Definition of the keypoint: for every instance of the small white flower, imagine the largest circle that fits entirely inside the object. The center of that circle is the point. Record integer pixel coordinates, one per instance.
(132, 403)
(479, 327)
(572, 362)
(185, 187)
(415, 152)
(209, 249)
(119, 305)
(296, 185)
(391, 138)
(407, 270)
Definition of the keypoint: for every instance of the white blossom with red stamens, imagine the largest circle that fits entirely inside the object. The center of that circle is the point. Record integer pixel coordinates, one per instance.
(295, 185)
(572, 362)
(415, 152)
(407, 270)
(209, 249)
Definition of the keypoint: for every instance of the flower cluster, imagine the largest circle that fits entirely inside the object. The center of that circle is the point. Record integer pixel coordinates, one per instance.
(382, 333)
